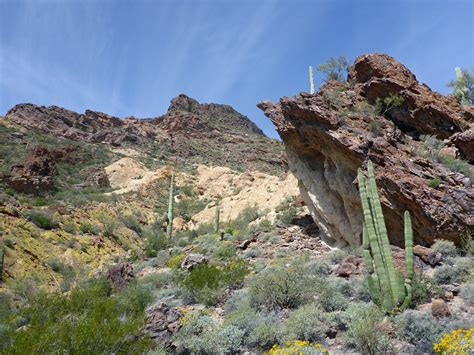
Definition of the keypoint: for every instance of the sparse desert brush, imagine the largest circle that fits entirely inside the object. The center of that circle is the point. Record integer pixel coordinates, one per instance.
(42, 219)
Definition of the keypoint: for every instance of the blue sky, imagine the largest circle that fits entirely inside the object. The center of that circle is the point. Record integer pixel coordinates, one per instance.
(131, 57)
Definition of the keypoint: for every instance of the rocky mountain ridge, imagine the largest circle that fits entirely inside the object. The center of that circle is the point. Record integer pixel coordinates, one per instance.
(188, 132)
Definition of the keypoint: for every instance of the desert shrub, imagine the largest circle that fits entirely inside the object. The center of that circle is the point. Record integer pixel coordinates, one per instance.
(418, 328)
(456, 164)
(156, 241)
(70, 227)
(88, 320)
(463, 86)
(205, 282)
(131, 222)
(157, 280)
(336, 256)
(24, 287)
(319, 267)
(430, 148)
(8, 243)
(454, 270)
(174, 262)
(225, 251)
(424, 288)
(361, 288)
(205, 228)
(467, 293)
(288, 215)
(445, 247)
(331, 299)
(110, 228)
(434, 183)
(41, 219)
(374, 126)
(55, 264)
(134, 298)
(89, 228)
(282, 287)
(200, 334)
(309, 322)
(334, 68)
(467, 244)
(366, 331)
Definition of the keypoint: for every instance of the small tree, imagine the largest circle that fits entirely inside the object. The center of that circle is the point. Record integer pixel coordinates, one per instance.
(463, 86)
(335, 68)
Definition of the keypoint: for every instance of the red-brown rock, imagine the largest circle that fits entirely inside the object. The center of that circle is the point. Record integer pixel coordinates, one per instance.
(439, 308)
(329, 135)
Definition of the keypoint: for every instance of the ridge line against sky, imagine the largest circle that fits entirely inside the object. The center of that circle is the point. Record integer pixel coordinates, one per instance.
(129, 58)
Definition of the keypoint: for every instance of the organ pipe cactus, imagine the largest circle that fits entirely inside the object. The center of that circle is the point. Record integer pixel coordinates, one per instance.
(311, 80)
(169, 227)
(2, 257)
(387, 286)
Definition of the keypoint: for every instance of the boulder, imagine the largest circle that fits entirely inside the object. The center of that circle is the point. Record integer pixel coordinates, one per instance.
(345, 269)
(428, 255)
(439, 308)
(329, 135)
(120, 274)
(162, 321)
(193, 259)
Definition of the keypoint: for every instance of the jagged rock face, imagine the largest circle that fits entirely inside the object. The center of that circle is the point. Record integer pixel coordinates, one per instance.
(189, 132)
(329, 135)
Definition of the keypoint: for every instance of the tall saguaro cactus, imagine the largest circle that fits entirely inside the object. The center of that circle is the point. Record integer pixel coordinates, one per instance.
(169, 227)
(386, 285)
(311, 80)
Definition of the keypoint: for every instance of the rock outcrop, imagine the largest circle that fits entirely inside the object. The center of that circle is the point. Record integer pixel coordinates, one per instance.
(189, 132)
(331, 134)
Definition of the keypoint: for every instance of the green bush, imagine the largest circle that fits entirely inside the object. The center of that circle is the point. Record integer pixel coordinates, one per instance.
(418, 328)
(282, 287)
(455, 164)
(365, 329)
(454, 270)
(434, 183)
(332, 299)
(205, 282)
(467, 293)
(88, 320)
(424, 288)
(55, 264)
(131, 222)
(445, 247)
(309, 323)
(335, 68)
(89, 228)
(225, 251)
(200, 334)
(41, 219)
(288, 215)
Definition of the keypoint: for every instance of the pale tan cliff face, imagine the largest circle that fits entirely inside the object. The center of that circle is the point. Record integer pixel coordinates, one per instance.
(238, 191)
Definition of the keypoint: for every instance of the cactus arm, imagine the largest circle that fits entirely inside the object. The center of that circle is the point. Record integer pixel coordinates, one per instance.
(311, 80)
(394, 290)
(382, 276)
(409, 262)
(217, 218)
(169, 227)
(2, 258)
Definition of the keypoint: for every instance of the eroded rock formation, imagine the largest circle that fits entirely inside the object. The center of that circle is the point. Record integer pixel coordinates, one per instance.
(329, 135)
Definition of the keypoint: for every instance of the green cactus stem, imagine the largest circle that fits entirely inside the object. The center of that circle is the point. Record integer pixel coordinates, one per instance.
(169, 227)
(311, 80)
(2, 258)
(217, 218)
(387, 286)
